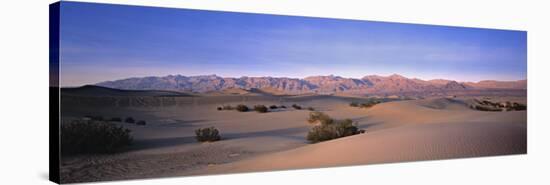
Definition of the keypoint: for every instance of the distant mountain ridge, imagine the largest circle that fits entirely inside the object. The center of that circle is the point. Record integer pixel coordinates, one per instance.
(371, 84)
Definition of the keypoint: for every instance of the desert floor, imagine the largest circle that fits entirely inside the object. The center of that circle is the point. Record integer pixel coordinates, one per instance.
(408, 130)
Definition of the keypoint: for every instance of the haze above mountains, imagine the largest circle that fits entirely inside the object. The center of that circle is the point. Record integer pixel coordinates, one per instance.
(371, 84)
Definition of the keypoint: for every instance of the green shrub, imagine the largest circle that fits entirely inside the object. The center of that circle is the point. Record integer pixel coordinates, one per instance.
(209, 134)
(141, 122)
(242, 108)
(319, 117)
(88, 137)
(260, 108)
(129, 120)
(273, 107)
(333, 130)
(297, 107)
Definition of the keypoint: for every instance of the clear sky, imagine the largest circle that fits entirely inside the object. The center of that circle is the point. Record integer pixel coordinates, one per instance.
(109, 42)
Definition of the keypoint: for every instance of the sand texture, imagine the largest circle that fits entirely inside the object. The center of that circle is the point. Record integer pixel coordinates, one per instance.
(408, 130)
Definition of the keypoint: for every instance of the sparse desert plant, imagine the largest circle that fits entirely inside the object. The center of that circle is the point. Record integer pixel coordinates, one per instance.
(487, 105)
(273, 107)
(116, 119)
(485, 108)
(518, 106)
(129, 120)
(220, 108)
(242, 108)
(88, 137)
(141, 122)
(209, 134)
(297, 107)
(333, 130)
(260, 108)
(282, 107)
(368, 104)
(310, 109)
(354, 104)
(319, 117)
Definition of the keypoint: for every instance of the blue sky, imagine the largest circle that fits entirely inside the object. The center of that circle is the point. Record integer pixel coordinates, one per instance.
(107, 42)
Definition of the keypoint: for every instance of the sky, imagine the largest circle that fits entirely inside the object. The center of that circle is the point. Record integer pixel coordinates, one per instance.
(100, 42)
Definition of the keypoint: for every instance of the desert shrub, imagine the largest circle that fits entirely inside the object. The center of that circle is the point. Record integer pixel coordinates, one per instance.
(486, 105)
(207, 134)
(297, 107)
(87, 137)
(260, 108)
(273, 107)
(518, 106)
(282, 107)
(485, 108)
(333, 130)
(220, 108)
(354, 104)
(368, 104)
(129, 120)
(116, 120)
(227, 107)
(141, 122)
(242, 108)
(319, 117)
(310, 109)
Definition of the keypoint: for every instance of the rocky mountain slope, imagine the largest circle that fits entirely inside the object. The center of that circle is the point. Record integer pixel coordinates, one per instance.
(372, 84)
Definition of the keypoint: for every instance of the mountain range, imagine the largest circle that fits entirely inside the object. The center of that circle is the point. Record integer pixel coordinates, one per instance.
(371, 84)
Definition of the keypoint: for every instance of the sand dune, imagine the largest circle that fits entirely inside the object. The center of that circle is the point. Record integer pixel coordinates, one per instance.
(427, 129)
(420, 130)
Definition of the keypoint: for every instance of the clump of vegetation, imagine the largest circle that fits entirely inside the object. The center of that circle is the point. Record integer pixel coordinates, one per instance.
(88, 137)
(141, 122)
(260, 108)
(327, 128)
(310, 109)
(226, 107)
(209, 134)
(273, 107)
(333, 129)
(319, 117)
(116, 119)
(129, 120)
(297, 107)
(367, 105)
(364, 104)
(242, 108)
(486, 105)
(282, 107)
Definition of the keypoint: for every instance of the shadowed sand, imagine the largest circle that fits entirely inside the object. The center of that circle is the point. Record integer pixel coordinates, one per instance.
(437, 128)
